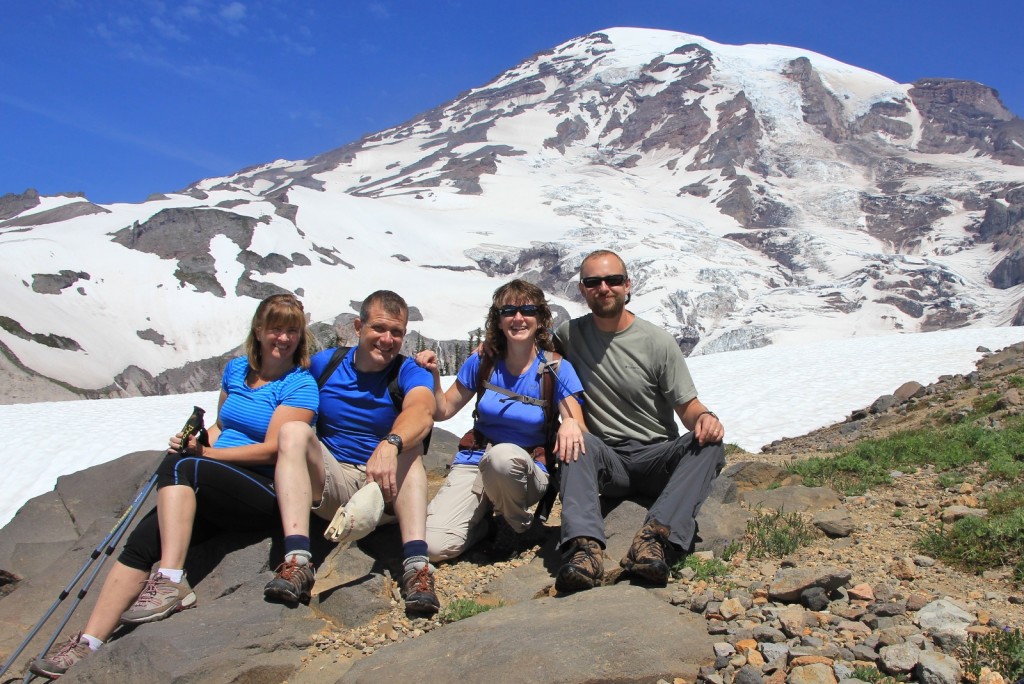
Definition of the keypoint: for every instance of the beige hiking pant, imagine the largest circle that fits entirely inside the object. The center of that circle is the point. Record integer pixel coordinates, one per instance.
(507, 481)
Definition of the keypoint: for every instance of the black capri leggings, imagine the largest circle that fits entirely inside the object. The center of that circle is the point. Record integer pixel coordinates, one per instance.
(229, 498)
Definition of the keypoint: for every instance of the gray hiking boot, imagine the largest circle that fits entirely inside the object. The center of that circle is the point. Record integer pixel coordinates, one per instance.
(292, 582)
(160, 598)
(67, 655)
(646, 556)
(418, 588)
(583, 567)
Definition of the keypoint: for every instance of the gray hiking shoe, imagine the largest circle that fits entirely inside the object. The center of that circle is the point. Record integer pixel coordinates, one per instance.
(160, 598)
(67, 655)
(646, 556)
(292, 582)
(583, 567)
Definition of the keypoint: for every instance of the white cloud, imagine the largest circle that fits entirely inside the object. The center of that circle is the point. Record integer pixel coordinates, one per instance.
(379, 10)
(234, 11)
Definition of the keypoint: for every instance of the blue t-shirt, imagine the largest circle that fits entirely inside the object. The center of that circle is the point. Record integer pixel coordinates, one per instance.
(505, 420)
(245, 414)
(356, 411)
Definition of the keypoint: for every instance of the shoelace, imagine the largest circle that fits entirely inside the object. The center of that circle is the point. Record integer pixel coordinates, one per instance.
(65, 650)
(584, 549)
(650, 536)
(423, 581)
(288, 570)
(149, 591)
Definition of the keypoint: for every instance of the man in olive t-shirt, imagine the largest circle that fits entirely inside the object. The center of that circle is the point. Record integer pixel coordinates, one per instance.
(635, 383)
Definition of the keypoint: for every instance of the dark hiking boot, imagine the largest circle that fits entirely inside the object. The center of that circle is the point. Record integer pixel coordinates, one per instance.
(292, 582)
(646, 556)
(67, 655)
(160, 598)
(583, 567)
(418, 589)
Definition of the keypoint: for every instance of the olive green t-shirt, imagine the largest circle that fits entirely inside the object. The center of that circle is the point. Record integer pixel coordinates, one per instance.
(632, 379)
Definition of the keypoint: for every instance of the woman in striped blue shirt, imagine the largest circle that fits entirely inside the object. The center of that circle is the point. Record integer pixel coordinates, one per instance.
(203, 491)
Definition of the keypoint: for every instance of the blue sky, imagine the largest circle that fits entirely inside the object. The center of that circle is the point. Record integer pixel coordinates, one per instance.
(124, 98)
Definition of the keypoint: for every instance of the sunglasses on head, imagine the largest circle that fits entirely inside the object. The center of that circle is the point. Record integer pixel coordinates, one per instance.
(509, 310)
(610, 280)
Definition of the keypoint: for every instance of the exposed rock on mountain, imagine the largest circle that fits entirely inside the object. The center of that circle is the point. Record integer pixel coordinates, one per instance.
(754, 191)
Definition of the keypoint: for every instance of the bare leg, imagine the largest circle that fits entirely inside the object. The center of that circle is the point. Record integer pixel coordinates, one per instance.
(119, 592)
(176, 511)
(298, 474)
(411, 502)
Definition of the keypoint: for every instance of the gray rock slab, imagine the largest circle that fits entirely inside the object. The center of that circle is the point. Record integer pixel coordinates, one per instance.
(618, 633)
(106, 489)
(621, 524)
(718, 524)
(796, 498)
(235, 637)
(789, 583)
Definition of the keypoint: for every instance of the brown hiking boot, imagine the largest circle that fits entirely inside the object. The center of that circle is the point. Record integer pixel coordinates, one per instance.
(418, 588)
(583, 567)
(646, 556)
(292, 583)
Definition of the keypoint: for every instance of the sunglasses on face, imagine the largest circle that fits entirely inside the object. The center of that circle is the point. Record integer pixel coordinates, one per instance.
(610, 280)
(508, 311)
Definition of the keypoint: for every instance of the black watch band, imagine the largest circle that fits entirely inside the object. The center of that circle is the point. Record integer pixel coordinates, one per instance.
(396, 440)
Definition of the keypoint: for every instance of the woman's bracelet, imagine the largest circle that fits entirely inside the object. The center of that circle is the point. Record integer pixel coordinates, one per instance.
(706, 413)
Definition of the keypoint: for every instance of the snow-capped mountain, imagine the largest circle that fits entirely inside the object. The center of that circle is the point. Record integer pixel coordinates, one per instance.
(760, 195)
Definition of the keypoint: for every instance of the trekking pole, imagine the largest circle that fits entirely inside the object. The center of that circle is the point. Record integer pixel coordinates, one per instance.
(193, 425)
(108, 551)
(105, 544)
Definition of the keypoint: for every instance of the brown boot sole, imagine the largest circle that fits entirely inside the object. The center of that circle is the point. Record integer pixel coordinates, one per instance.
(655, 572)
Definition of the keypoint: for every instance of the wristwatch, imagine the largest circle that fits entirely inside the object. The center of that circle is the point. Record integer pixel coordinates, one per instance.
(396, 440)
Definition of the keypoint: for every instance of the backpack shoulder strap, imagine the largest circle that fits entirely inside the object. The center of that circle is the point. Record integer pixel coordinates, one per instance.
(483, 377)
(549, 376)
(394, 387)
(332, 365)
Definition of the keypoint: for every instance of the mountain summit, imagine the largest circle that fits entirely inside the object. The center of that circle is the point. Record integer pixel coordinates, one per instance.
(760, 194)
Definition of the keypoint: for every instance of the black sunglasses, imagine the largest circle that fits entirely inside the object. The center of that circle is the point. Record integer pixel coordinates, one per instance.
(508, 311)
(595, 281)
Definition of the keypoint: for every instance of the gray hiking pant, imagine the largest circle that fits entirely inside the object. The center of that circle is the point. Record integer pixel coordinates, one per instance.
(677, 473)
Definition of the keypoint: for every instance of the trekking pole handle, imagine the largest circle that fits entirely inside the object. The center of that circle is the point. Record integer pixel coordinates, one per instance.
(193, 425)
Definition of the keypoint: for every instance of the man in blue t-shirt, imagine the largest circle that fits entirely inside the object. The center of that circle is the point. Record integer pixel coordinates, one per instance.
(360, 438)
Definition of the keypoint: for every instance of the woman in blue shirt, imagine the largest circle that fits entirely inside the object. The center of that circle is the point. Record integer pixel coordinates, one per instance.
(501, 467)
(203, 491)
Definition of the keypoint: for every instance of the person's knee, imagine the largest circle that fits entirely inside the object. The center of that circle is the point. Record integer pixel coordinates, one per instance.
(293, 438)
(444, 544)
(504, 460)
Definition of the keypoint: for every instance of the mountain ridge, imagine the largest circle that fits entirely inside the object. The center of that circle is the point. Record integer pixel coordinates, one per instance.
(759, 194)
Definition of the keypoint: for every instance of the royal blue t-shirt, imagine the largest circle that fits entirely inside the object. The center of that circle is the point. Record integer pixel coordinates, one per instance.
(356, 411)
(505, 420)
(245, 414)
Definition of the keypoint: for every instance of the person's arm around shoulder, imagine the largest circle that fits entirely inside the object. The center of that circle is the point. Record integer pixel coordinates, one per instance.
(447, 403)
(706, 426)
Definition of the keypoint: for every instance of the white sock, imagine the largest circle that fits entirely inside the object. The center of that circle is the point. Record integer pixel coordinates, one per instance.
(94, 643)
(300, 557)
(172, 574)
(414, 563)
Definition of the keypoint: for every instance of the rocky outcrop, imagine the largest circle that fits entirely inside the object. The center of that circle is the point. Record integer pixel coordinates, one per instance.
(962, 115)
(12, 205)
(54, 283)
(821, 108)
